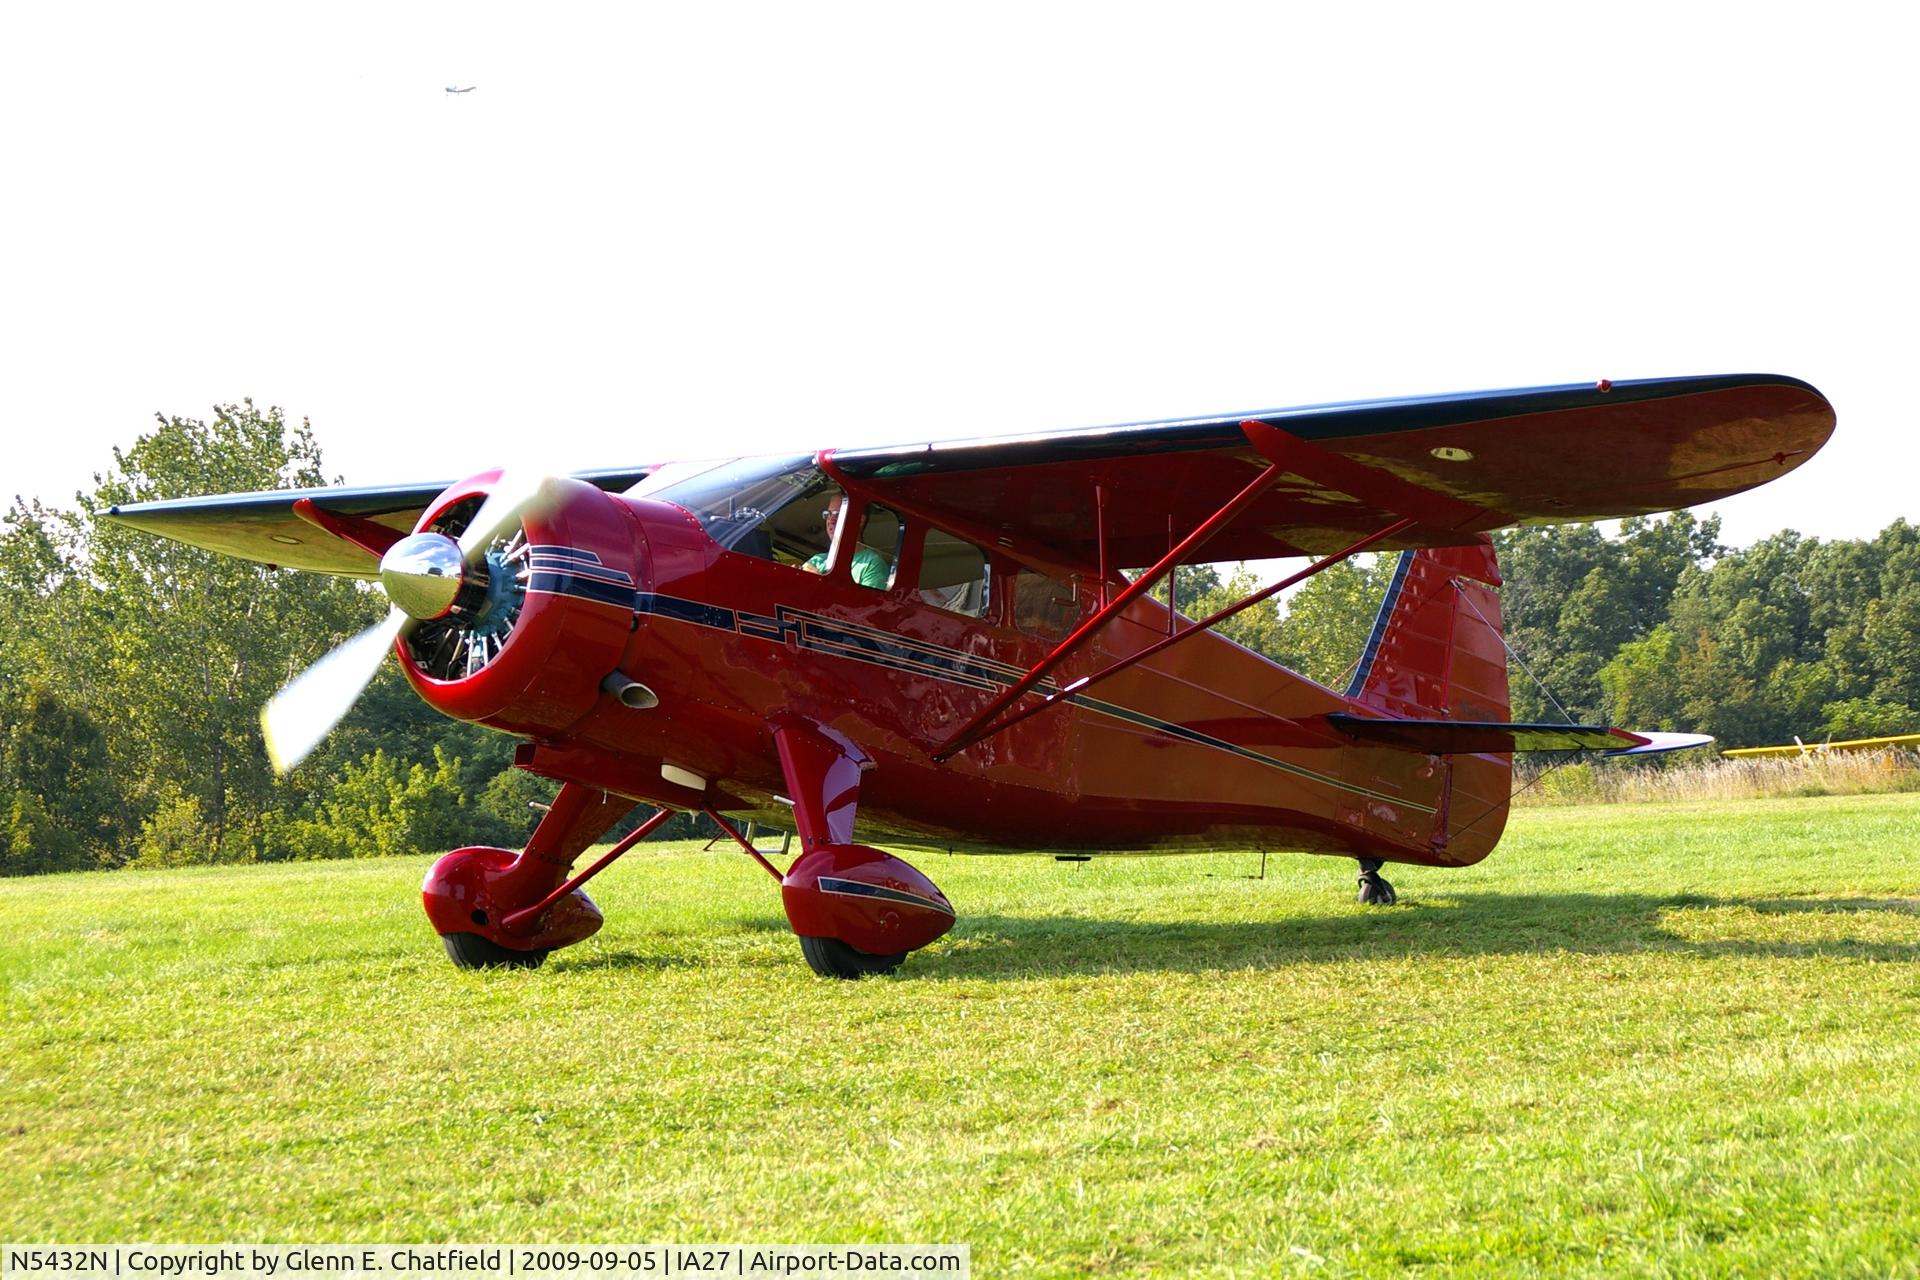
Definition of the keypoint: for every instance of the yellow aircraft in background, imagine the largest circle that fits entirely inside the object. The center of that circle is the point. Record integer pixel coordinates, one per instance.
(1800, 748)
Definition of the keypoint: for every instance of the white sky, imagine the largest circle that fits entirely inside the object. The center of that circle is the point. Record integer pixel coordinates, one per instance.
(682, 230)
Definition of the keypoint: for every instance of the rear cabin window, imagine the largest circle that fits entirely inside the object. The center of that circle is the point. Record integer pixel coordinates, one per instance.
(1043, 606)
(953, 574)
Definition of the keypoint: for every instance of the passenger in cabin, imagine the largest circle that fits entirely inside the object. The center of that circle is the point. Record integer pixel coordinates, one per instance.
(870, 568)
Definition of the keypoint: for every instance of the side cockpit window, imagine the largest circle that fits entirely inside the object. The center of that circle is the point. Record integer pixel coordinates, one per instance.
(773, 508)
(787, 511)
(953, 574)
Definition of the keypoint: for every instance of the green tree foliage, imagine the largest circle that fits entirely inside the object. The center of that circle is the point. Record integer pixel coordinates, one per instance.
(1319, 631)
(42, 596)
(507, 802)
(381, 806)
(199, 641)
(1329, 618)
(1574, 596)
(30, 840)
(133, 669)
(1202, 592)
(1789, 637)
(1848, 718)
(54, 786)
(175, 835)
(38, 551)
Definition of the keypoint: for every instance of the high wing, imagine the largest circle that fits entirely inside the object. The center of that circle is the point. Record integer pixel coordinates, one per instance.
(1460, 464)
(267, 528)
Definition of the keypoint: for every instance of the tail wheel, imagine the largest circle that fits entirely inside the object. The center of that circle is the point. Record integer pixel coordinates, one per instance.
(1374, 889)
(471, 951)
(832, 958)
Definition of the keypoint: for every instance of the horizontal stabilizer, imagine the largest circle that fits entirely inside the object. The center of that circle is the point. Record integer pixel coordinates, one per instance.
(1468, 737)
(1657, 742)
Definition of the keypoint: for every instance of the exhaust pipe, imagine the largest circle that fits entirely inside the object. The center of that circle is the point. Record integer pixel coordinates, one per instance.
(629, 691)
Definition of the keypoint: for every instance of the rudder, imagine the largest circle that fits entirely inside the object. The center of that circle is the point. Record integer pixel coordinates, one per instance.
(1435, 651)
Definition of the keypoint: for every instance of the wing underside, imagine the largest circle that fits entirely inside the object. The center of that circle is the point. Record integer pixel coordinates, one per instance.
(1489, 459)
(265, 527)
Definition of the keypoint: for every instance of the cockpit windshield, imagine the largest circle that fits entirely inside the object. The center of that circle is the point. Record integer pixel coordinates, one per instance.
(774, 508)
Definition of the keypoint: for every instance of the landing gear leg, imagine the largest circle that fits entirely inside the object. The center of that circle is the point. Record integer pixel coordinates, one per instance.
(857, 910)
(499, 908)
(1374, 889)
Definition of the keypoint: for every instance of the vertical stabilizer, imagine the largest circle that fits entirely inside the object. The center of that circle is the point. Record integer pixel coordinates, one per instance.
(1436, 654)
(1435, 651)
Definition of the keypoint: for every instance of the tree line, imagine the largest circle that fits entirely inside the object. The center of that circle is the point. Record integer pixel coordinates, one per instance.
(1653, 625)
(132, 669)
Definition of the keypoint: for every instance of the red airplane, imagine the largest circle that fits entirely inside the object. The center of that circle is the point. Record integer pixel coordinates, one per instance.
(936, 643)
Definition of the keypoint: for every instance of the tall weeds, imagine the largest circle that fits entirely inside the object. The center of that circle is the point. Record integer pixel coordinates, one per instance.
(1536, 782)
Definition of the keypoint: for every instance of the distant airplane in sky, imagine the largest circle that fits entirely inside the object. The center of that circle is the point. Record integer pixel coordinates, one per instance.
(469, 89)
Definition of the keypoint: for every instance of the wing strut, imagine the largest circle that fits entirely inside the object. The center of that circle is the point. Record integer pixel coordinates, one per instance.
(1066, 692)
(370, 537)
(1286, 454)
(1430, 507)
(977, 728)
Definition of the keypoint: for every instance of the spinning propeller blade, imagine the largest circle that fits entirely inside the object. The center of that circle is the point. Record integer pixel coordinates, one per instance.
(306, 710)
(509, 499)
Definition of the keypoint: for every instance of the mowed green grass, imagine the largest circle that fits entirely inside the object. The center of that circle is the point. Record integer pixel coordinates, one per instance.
(1662, 1040)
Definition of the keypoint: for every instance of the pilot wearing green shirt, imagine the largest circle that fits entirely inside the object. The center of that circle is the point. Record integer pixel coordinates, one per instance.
(870, 568)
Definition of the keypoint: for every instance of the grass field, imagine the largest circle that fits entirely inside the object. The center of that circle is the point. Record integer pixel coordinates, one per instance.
(1674, 1039)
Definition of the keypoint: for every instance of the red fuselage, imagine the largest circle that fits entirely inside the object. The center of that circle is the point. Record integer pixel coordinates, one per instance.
(1207, 745)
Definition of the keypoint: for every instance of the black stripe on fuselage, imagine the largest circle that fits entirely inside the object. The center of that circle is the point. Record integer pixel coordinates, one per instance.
(553, 564)
(580, 587)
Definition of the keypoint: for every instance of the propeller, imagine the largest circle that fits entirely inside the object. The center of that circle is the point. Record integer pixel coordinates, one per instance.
(304, 712)
(510, 498)
(422, 574)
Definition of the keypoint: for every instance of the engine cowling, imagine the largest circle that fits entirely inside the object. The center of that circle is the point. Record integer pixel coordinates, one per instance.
(527, 642)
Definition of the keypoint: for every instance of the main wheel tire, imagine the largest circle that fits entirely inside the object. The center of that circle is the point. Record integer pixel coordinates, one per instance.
(471, 951)
(832, 958)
